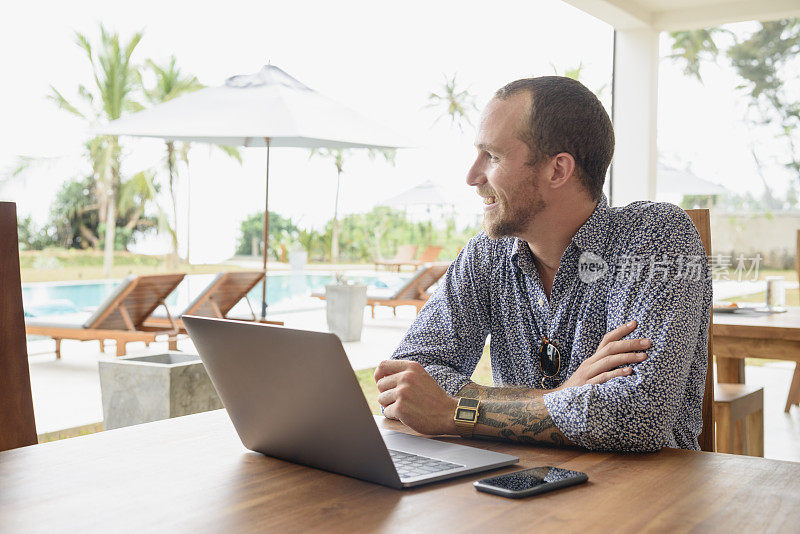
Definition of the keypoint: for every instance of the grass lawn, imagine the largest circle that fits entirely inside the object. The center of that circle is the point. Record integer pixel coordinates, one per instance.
(67, 265)
(482, 375)
(792, 297)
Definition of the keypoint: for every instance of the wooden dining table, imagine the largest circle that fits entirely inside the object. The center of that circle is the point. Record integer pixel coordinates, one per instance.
(751, 334)
(192, 474)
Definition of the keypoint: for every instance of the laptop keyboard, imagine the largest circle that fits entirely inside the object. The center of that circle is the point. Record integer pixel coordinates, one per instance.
(412, 465)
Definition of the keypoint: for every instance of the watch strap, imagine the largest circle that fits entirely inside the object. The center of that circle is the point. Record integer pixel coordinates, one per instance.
(466, 416)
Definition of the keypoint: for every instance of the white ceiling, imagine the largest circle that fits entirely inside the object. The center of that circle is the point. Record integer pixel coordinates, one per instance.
(673, 15)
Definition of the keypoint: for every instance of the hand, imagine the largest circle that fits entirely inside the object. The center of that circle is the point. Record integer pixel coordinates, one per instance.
(410, 394)
(610, 354)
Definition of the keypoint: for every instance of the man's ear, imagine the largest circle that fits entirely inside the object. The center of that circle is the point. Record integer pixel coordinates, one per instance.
(562, 169)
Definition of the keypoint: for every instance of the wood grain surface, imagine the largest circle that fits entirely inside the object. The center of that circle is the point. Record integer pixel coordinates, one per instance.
(192, 474)
(748, 335)
(17, 426)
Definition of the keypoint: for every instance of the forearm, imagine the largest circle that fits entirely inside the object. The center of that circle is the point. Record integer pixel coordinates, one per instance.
(477, 391)
(515, 414)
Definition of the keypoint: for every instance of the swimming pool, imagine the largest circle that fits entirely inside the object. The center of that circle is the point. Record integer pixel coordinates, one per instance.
(286, 292)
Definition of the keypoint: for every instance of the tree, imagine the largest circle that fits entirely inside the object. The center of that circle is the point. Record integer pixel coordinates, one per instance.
(115, 80)
(453, 102)
(767, 62)
(171, 82)
(337, 155)
(692, 47)
(33, 238)
(282, 231)
(74, 214)
(575, 74)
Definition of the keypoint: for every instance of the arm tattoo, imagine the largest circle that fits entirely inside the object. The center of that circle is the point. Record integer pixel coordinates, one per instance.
(514, 414)
(524, 421)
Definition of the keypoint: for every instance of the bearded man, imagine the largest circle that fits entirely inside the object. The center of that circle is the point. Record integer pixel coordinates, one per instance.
(598, 316)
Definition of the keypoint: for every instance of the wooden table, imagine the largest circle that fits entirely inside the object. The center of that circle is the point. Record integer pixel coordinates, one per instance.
(191, 474)
(774, 336)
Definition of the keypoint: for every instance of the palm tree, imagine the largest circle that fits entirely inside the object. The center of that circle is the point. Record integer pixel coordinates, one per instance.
(111, 95)
(171, 82)
(337, 156)
(457, 104)
(692, 47)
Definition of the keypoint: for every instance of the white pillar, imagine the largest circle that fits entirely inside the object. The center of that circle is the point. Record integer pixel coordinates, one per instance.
(635, 115)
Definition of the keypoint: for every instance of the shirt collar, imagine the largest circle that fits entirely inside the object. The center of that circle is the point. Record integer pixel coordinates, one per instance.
(590, 236)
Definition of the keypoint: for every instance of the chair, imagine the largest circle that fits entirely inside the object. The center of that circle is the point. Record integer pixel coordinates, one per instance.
(735, 399)
(405, 256)
(702, 222)
(430, 254)
(739, 412)
(217, 299)
(412, 293)
(794, 389)
(17, 424)
(120, 317)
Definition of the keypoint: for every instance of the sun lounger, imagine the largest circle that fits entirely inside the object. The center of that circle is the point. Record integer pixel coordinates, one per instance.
(218, 298)
(430, 254)
(412, 293)
(405, 255)
(120, 317)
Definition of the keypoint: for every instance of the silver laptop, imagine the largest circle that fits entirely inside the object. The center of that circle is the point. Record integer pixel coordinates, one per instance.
(292, 394)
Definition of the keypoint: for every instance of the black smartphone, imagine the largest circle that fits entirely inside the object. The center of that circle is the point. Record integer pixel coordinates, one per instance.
(530, 481)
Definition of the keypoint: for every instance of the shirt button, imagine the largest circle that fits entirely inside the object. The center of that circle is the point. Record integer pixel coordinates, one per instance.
(541, 302)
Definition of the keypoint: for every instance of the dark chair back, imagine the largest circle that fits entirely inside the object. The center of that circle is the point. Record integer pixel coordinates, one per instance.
(702, 221)
(17, 426)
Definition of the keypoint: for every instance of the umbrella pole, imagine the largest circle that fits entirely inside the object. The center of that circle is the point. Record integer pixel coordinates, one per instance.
(265, 237)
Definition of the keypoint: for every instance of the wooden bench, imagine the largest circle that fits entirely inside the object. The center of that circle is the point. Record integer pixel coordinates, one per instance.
(739, 414)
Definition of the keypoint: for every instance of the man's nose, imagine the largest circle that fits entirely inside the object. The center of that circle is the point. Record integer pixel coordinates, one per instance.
(476, 175)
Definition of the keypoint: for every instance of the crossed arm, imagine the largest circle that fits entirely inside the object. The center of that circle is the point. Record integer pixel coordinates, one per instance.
(410, 394)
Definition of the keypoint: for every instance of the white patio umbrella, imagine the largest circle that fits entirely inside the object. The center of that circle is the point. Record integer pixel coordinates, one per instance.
(427, 195)
(269, 108)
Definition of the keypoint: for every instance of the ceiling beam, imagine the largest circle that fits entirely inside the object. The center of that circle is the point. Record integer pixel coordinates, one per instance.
(634, 14)
(622, 14)
(704, 16)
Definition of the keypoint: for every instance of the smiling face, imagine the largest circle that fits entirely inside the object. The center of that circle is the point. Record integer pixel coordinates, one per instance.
(501, 173)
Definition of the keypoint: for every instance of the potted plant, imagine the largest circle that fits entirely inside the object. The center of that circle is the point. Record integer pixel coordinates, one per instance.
(344, 303)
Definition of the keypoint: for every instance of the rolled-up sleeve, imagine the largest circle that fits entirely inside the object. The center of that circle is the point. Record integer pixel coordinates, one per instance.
(670, 298)
(448, 335)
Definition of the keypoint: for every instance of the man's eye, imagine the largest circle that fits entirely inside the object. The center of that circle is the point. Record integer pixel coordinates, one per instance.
(493, 158)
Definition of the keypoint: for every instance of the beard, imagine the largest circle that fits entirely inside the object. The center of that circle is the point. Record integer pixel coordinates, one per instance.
(512, 218)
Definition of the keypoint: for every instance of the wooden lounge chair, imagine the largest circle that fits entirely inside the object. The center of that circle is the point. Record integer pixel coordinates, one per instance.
(412, 293)
(218, 298)
(120, 317)
(430, 254)
(405, 256)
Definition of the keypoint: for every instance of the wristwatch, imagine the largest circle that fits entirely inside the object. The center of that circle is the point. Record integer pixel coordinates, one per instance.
(466, 416)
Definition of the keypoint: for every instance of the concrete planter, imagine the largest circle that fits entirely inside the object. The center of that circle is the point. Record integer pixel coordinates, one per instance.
(298, 258)
(140, 389)
(345, 310)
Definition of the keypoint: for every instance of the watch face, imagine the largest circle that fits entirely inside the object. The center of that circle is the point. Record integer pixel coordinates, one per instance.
(468, 403)
(468, 415)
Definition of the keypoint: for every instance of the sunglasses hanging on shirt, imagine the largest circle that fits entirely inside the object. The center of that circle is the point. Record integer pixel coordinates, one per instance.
(549, 356)
(549, 359)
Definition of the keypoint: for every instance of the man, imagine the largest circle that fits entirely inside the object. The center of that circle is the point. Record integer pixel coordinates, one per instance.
(598, 316)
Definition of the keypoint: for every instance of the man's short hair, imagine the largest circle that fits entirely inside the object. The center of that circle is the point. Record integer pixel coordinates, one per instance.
(567, 117)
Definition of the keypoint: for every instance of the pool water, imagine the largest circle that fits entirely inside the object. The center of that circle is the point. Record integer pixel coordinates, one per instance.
(285, 292)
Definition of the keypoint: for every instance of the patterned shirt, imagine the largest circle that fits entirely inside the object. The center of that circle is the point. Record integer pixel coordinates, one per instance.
(642, 262)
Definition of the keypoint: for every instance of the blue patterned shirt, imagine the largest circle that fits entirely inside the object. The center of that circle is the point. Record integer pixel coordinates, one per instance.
(642, 262)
